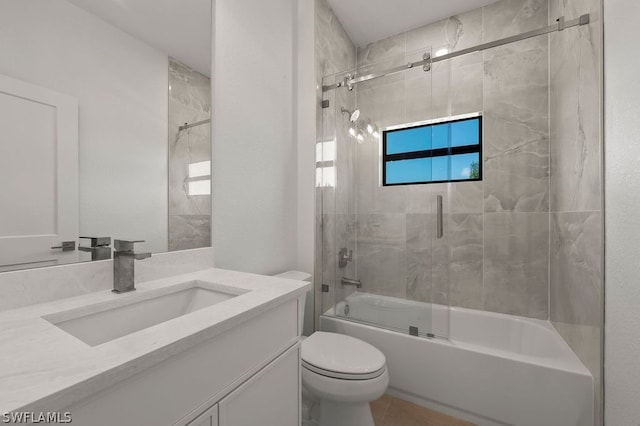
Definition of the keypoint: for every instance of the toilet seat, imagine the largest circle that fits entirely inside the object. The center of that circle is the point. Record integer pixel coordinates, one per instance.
(342, 357)
(341, 375)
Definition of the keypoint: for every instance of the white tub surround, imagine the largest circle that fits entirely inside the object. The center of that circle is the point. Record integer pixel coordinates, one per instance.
(47, 369)
(479, 372)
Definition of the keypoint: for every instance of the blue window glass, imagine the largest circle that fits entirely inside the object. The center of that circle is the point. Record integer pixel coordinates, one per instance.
(409, 140)
(440, 167)
(465, 166)
(448, 151)
(403, 171)
(465, 132)
(440, 135)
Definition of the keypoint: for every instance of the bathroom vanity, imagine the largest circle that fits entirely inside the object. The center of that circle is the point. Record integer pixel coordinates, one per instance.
(213, 347)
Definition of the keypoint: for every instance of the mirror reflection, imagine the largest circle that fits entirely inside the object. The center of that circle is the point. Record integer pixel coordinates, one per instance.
(105, 110)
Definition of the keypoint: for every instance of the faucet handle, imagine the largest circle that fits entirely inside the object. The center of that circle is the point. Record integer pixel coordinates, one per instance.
(125, 245)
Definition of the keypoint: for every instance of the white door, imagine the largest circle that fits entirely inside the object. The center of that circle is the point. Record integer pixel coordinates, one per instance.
(271, 397)
(38, 175)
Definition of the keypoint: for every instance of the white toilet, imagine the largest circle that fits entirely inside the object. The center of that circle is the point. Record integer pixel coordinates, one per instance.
(344, 374)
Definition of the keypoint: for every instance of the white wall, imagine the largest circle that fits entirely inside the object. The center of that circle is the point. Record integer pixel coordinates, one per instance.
(622, 218)
(121, 84)
(305, 133)
(254, 153)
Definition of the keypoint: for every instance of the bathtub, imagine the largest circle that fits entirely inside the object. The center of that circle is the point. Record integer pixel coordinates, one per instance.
(493, 369)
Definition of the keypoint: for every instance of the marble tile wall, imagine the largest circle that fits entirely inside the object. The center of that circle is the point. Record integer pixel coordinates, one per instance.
(494, 254)
(519, 241)
(335, 220)
(576, 251)
(189, 102)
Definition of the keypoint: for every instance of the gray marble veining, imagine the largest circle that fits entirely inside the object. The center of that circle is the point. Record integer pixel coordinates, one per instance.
(381, 253)
(516, 263)
(516, 143)
(189, 231)
(419, 237)
(576, 246)
(189, 102)
(575, 107)
(505, 18)
(454, 33)
(335, 53)
(466, 260)
(576, 279)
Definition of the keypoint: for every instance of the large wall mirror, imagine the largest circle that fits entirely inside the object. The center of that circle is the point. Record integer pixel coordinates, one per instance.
(105, 118)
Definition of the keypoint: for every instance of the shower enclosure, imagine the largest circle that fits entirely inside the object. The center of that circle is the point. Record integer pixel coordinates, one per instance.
(380, 239)
(505, 220)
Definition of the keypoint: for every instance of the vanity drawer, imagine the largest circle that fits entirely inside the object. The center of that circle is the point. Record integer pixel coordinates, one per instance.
(179, 388)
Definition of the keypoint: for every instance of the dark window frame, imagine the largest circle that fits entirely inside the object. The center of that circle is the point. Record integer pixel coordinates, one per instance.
(432, 153)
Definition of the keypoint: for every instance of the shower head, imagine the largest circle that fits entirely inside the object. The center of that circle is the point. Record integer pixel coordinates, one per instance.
(353, 115)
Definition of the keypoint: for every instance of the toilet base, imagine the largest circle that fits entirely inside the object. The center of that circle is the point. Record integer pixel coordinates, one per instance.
(345, 414)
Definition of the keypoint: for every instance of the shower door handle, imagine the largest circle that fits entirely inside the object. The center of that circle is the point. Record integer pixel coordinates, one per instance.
(439, 222)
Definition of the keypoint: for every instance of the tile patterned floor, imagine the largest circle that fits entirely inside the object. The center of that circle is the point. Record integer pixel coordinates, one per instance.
(390, 411)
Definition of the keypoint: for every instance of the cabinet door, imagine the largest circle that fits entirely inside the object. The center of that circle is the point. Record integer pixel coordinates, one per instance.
(271, 397)
(208, 418)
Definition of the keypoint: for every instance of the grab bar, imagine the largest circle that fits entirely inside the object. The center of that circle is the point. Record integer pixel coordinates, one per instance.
(350, 281)
(439, 224)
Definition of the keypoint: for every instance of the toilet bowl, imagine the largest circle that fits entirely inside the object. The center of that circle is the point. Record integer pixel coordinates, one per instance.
(343, 374)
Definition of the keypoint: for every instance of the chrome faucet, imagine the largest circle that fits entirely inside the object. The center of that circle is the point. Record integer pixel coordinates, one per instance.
(123, 265)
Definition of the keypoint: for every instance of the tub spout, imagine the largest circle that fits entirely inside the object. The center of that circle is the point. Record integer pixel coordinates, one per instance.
(351, 281)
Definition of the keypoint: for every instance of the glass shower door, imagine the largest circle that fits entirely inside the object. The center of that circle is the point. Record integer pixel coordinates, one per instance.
(378, 252)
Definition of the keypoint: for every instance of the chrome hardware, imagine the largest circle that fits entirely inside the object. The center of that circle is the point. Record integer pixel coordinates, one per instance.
(66, 246)
(98, 247)
(124, 266)
(344, 256)
(439, 221)
(348, 81)
(426, 58)
(98, 241)
(561, 24)
(584, 19)
(186, 126)
(351, 281)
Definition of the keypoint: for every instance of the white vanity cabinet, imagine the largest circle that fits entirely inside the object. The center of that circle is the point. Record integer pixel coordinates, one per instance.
(248, 375)
(271, 397)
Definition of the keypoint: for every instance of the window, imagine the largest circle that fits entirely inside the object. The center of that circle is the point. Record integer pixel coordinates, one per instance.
(440, 151)
(200, 178)
(325, 164)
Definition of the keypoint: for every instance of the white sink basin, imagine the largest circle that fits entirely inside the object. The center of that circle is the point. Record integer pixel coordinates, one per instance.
(103, 322)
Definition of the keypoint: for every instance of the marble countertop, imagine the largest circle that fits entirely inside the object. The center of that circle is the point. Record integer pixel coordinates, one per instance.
(43, 368)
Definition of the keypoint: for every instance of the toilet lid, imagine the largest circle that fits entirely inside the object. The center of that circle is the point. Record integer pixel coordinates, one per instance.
(341, 354)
